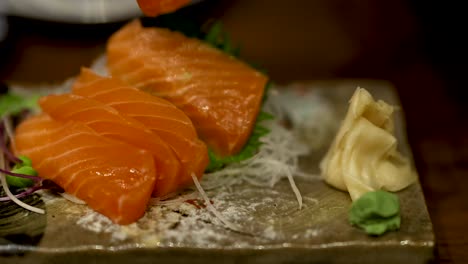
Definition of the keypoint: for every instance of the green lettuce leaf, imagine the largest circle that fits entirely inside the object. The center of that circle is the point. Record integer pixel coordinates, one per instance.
(249, 150)
(13, 104)
(220, 39)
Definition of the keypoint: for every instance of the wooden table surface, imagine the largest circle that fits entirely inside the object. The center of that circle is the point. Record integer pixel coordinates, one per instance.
(304, 40)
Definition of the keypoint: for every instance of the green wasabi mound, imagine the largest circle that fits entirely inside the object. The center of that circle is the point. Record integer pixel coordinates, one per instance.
(376, 212)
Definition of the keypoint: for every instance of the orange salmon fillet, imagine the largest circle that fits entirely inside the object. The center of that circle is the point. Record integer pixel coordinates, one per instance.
(159, 7)
(158, 115)
(220, 94)
(107, 122)
(113, 178)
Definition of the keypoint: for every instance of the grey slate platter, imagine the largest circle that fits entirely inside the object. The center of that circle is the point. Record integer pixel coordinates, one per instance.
(274, 230)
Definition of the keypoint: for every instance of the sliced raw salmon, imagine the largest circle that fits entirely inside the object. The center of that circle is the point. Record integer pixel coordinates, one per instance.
(220, 94)
(158, 7)
(159, 115)
(107, 122)
(113, 178)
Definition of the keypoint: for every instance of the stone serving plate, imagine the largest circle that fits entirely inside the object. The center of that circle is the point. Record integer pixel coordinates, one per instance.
(275, 230)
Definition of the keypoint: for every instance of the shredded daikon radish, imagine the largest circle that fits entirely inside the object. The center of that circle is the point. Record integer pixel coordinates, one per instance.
(307, 176)
(99, 65)
(43, 88)
(174, 201)
(277, 158)
(211, 208)
(72, 198)
(295, 189)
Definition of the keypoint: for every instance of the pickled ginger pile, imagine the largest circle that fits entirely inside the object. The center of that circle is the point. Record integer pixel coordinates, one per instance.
(364, 156)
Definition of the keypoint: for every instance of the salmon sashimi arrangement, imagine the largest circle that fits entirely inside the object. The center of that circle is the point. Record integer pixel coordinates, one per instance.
(112, 177)
(113, 112)
(107, 122)
(158, 115)
(158, 7)
(220, 94)
(145, 131)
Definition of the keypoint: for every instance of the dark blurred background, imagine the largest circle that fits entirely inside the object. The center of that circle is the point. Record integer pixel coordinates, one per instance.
(419, 46)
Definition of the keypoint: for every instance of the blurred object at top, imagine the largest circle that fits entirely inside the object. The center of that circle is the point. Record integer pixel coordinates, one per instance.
(72, 11)
(158, 7)
(88, 11)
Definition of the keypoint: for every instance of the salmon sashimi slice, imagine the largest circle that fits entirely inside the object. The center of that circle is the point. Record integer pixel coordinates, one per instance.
(158, 7)
(159, 115)
(220, 94)
(113, 178)
(107, 122)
